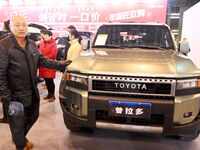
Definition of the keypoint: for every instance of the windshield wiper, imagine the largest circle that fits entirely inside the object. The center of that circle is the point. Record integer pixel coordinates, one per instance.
(147, 47)
(108, 46)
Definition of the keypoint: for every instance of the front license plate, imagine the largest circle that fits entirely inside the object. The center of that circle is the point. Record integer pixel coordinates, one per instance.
(129, 109)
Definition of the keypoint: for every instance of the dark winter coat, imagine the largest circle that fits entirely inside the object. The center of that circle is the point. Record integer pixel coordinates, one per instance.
(18, 70)
(49, 50)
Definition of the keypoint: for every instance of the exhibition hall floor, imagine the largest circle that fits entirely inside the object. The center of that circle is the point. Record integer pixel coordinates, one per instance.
(50, 133)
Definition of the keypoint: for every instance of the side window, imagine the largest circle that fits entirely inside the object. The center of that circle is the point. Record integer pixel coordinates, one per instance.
(166, 39)
(62, 40)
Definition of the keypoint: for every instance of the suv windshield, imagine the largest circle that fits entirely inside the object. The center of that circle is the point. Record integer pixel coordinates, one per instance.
(142, 36)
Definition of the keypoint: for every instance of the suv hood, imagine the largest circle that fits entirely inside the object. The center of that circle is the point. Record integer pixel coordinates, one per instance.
(136, 62)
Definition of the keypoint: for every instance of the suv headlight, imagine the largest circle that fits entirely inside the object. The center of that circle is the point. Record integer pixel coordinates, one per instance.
(77, 78)
(188, 84)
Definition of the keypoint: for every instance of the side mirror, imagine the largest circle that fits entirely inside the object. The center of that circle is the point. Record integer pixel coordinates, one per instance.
(85, 43)
(184, 47)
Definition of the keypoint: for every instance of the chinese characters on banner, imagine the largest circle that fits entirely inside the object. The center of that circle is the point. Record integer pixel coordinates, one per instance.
(127, 15)
(52, 15)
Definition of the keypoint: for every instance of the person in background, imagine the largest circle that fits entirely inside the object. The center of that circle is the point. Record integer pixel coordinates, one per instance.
(5, 32)
(75, 47)
(6, 26)
(42, 33)
(69, 29)
(49, 49)
(6, 29)
(19, 59)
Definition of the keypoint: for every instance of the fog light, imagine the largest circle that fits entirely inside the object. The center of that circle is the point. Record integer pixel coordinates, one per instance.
(187, 114)
(74, 106)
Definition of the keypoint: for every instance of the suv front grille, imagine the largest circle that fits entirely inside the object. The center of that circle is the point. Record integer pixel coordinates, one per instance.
(128, 85)
(151, 88)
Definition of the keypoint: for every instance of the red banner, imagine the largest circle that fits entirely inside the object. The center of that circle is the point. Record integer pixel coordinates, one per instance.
(91, 16)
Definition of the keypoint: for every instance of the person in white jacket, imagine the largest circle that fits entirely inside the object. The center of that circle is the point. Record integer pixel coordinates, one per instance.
(75, 47)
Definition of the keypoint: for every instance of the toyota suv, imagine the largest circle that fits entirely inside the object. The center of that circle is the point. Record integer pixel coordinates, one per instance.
(133, 78)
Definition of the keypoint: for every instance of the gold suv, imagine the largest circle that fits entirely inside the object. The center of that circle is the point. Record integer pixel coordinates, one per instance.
(133, 78)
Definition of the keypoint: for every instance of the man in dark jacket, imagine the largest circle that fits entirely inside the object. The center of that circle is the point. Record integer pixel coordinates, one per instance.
(3, 34)
(19, 59)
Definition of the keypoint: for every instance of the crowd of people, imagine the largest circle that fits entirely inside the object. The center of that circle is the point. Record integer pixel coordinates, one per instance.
(20, 60)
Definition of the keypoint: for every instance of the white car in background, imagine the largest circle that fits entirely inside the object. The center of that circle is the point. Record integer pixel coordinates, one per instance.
(34, 30)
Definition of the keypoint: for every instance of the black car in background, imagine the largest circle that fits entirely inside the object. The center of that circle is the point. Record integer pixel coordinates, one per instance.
(87, 34)
(62, 45)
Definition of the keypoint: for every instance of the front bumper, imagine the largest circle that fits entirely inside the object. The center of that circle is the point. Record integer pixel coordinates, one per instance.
(95, 114)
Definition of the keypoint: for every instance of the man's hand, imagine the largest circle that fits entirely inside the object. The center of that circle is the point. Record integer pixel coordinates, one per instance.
(67, 62)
